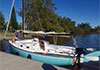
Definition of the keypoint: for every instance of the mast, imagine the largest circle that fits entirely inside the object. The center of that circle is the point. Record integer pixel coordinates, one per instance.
(23, 16)
(9, 18)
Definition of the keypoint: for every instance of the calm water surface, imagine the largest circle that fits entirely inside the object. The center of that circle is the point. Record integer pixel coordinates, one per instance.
(89, 41)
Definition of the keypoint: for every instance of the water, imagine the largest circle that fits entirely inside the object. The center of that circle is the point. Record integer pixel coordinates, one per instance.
(89, 41)
(83, 41)
(6, 46)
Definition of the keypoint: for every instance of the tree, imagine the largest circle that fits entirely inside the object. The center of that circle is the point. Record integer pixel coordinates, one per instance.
(2, 21)
(86, 27)
(70, 24)
(63, 24)
(13, 21)
(40, 15)
(78, 31)
(97, 29)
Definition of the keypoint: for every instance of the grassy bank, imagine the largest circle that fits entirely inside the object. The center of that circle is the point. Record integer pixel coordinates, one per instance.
(9, 34)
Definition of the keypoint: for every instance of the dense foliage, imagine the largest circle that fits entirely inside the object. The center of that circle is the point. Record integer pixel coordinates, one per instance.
(2, 21)
(87, 29)
(40, 15)
(13, 21)
(97, 29)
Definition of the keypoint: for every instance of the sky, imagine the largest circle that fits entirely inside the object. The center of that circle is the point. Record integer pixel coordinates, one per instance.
(78, 10)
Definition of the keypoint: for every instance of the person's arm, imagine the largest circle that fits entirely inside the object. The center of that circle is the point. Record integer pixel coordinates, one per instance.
(14, 38)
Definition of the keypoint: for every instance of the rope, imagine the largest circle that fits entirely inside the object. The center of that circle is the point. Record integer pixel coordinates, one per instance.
(9, 18)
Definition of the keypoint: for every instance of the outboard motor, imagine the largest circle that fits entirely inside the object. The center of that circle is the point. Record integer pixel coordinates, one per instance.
(79, 52)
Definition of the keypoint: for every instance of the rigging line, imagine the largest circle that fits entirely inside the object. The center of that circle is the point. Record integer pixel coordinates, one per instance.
(9, 18)
(38, 15)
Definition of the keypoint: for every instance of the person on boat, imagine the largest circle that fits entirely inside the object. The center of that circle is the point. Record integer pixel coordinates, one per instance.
(18, 36)
(42, 47)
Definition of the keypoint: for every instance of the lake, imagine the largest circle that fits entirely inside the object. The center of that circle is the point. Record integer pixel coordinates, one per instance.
(89, 41)
(83, 41)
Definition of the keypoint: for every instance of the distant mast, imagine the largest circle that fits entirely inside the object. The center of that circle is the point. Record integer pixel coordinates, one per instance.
(23, 16)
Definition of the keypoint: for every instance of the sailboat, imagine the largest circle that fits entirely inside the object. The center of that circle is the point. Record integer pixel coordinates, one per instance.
(41, 50)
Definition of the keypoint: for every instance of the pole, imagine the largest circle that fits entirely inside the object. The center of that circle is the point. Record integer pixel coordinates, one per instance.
(23, 17)
(9, 18)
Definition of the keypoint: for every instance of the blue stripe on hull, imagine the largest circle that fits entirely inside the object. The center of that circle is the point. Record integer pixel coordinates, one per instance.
(60, 61)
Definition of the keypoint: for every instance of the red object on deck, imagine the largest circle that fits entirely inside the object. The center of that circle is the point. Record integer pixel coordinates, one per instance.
(44, 53)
